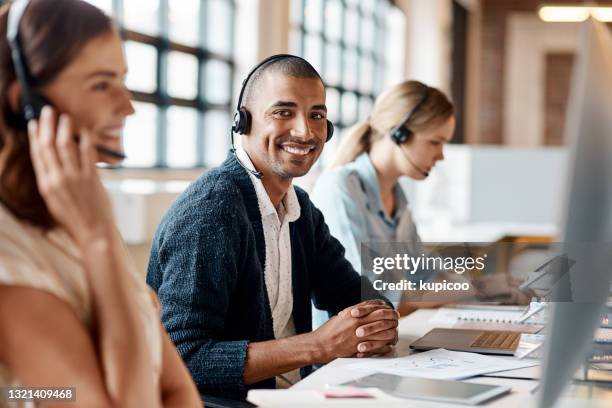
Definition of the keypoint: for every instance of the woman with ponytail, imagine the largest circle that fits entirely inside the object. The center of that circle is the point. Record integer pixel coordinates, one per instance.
(360, 196)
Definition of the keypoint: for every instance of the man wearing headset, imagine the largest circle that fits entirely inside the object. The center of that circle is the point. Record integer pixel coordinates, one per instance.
(239, 256)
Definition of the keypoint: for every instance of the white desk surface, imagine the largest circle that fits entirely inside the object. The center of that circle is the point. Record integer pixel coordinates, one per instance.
(411, 328)
(481, 231)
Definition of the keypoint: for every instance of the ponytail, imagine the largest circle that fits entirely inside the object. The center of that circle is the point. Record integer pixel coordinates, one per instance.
(355, 141)
(390, 108)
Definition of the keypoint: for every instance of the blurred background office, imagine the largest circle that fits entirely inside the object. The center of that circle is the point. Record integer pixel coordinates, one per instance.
(506, 64)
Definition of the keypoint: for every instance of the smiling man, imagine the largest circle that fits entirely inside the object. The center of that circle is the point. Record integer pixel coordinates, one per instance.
(239, 256)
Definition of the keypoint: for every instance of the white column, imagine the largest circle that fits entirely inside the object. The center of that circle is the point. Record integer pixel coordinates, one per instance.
(246, 40)
(262, 29)
(428, 41)
(529, 39)
(273, 27)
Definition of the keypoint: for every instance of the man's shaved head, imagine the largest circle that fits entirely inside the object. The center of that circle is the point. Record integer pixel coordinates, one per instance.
(292, 66)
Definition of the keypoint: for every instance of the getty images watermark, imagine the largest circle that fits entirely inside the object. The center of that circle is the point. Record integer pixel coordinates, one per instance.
(502, 271)
(408, 265)
(422, 272)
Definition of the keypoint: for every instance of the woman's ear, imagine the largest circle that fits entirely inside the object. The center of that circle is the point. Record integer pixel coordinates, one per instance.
(14, 96)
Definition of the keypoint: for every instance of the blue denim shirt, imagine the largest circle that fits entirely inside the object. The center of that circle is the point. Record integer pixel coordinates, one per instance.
(349, 198)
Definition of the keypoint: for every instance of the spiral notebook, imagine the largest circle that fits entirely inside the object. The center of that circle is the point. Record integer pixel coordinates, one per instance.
(478, 319)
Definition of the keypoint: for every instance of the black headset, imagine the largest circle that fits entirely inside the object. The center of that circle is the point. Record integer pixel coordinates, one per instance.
(31, 102)
(401, 133)
(242, 117)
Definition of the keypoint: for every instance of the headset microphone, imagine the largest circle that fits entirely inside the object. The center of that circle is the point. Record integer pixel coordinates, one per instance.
(400, 134)
(423, 172)
(256, 174)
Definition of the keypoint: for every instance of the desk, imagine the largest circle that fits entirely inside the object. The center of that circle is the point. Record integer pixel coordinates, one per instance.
(483, 232)
(410, 328)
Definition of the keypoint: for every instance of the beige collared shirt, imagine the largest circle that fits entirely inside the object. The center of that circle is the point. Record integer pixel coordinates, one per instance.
(277, 269)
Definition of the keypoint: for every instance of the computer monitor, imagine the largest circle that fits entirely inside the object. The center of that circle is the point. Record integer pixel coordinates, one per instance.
(578, 301)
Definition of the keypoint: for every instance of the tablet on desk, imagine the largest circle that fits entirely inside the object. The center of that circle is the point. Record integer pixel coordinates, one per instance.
(455, 392)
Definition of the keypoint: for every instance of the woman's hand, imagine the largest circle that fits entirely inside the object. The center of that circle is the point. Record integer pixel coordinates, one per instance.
(504, 288)
(67, 177)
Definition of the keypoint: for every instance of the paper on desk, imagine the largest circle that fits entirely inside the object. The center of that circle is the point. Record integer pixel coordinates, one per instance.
(443, 364)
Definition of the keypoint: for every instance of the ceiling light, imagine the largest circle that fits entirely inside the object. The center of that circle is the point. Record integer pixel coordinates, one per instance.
(574, 13)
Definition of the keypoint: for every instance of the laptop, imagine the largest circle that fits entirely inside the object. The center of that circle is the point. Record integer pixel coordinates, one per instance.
(476, 341)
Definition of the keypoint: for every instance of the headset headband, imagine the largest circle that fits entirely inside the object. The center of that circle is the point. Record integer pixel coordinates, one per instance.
(16, 12)
(261, 64)
(416, 107)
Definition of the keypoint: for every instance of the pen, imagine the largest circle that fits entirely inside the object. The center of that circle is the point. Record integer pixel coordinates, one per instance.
(531, 313)
(509, 377)
(530, 351)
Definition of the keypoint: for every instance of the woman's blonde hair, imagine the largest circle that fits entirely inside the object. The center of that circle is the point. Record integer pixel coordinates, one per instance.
(390, 108)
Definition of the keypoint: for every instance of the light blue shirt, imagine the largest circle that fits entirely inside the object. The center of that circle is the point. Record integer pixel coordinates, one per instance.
(349, 198)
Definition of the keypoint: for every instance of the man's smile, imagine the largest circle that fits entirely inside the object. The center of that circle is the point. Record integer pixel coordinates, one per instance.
(297, 149)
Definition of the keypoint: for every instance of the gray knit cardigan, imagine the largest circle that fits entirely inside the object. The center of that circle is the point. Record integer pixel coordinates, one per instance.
(207, 266)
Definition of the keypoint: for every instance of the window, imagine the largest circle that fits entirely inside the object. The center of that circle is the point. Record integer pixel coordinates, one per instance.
(179, 55)
(345, 41)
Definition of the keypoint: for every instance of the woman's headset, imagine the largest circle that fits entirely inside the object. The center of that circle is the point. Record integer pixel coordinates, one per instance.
(401, 133)
(31, 102)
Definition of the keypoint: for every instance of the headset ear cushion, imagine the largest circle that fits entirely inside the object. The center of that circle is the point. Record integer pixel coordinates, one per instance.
(242, 121)
(31, 110)
(246, 117)
(236, 122)
(38, 102)
(330, 130)
(400, 134)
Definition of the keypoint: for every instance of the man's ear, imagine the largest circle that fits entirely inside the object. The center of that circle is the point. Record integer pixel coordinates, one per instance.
(14, 96)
